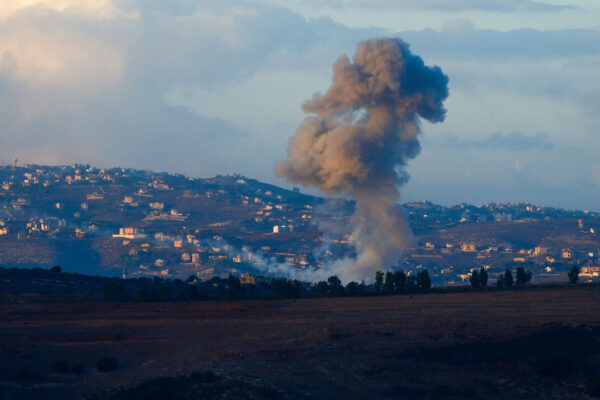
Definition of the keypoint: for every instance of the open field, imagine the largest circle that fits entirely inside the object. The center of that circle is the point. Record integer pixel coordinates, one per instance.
(491, 345)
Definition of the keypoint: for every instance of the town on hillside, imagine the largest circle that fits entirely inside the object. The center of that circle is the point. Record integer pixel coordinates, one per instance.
(133, 223)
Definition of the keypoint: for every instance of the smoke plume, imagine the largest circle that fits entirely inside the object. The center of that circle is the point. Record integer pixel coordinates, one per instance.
(361, 135)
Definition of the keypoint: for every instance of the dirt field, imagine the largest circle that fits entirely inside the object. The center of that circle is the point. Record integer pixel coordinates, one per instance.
(454, 345)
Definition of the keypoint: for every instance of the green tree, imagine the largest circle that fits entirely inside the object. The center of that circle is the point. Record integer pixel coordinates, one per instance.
(399, 281)
(143, 293)
(523, 276)
(114, 291)
(234, 289)
(483, 277)
(388, 284)
(352, 288)
(574, 275)
(508, 278)
(378, 281)
(335, 286)
(423, 281)
(475, 279)
(500, 281)
(321, 288)
(411, 283)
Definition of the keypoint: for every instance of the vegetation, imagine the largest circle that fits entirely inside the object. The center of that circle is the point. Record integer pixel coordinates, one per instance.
(573, 274)
(114, 291)
(62, 367)
(106, 364)
(523, 276)
(78, 369)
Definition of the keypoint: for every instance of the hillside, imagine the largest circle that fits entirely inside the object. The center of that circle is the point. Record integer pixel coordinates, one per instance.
(117, 222)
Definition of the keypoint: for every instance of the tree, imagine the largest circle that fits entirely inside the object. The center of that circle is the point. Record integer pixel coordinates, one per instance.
(574, 275)
(508, 278)
(56, 269)
(143, 293)
(475, 279)
(388, 284)
(352, 288)
(234, 286)
(411, 283)
(321, 288)
(423, 281)
(523, 277)
(399, 281)
(335, 285)
(483, 277)
(115, 292)
(378, 280)
(500, 281)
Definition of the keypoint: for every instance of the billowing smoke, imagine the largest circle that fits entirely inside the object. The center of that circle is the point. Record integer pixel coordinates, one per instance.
(361, 135)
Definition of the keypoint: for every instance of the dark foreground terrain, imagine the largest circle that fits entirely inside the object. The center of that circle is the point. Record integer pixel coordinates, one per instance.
(529, 343)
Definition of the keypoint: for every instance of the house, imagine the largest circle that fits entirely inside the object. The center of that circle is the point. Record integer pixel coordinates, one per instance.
(590, 271)
(129, 233)
(247, 279)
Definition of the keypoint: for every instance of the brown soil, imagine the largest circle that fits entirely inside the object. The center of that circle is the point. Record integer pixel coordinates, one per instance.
(337, 348)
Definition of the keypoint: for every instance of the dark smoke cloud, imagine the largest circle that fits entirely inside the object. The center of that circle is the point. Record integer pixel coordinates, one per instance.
(363, 132)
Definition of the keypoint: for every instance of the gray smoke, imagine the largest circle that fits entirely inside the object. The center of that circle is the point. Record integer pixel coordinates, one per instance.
(363, 132)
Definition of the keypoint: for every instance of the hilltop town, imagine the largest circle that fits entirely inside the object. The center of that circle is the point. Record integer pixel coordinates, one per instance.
(132, 223)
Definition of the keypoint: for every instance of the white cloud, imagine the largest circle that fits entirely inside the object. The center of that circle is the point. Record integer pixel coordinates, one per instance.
(99, 9)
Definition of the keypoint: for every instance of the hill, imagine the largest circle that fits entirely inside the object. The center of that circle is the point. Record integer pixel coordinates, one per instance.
(116, 222)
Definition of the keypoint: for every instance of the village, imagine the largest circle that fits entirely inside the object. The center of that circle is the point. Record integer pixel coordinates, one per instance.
(134, 223)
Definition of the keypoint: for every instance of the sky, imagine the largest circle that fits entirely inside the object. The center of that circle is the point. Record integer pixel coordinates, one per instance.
(215, 87)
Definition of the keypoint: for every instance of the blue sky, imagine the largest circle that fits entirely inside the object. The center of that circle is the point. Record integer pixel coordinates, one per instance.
(207, 87)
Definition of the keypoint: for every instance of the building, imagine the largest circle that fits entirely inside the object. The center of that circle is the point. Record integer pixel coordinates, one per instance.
(282, 228)
(468, 247)
(247, 279)
(540, 251)
(129, 233)
(590, 271)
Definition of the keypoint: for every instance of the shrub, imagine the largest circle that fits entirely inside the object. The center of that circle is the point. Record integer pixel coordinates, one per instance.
(106, 364)
(555, 366)
(204, 376)
(62, 367)
(592, 386)
(78, 369)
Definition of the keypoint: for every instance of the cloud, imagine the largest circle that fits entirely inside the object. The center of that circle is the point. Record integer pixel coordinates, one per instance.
(75, 87)
(483, 44)
(515, 141)
(445, 5)
(97, 9)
